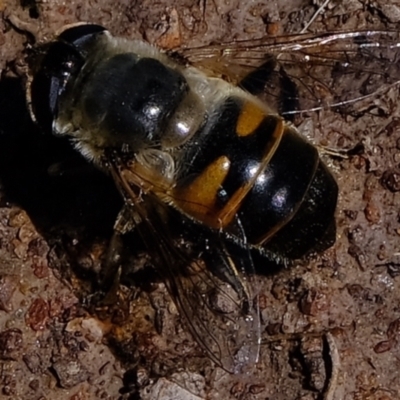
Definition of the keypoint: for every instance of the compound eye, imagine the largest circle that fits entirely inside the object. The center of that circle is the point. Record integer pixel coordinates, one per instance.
(63, 60)
(80, 33)
(60, 62)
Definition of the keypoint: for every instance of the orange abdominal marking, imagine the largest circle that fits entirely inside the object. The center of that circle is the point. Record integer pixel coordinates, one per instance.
(230, 209)
(199, 198)
(249, 119)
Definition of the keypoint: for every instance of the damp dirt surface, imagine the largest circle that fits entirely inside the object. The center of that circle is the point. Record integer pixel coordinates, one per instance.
(330, 323)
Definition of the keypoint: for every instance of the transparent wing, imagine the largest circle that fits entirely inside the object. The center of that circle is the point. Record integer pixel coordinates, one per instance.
(328, 70)
(209, 279)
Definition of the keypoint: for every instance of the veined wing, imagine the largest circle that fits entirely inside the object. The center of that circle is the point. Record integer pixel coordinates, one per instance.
(209, 279)
(329, 69)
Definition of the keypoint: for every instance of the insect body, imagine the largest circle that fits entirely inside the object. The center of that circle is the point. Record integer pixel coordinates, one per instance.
(207, 148)
(178, 141)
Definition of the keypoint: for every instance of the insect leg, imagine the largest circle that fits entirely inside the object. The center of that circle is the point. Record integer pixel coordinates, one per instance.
(274, 86)
(109, 279)
(255, 81)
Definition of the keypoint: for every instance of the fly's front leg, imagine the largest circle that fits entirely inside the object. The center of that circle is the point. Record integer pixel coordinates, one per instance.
(112, 268)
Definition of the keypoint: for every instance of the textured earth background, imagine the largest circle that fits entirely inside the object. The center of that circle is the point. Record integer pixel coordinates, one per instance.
(331, 324)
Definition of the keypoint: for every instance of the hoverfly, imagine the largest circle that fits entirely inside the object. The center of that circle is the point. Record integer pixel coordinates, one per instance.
(209, 173)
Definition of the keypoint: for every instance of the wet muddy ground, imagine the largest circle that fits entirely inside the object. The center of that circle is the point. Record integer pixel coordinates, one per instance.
(330, 324)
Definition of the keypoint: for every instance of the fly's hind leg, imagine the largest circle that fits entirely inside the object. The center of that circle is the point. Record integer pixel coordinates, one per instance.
(273, 85)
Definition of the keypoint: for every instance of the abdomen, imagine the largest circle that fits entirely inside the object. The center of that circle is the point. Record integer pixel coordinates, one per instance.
(246, 163)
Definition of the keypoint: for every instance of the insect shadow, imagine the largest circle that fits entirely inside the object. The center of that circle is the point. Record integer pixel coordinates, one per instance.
(76, 205)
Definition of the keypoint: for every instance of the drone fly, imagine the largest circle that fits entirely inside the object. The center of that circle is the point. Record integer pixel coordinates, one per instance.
(210, 174)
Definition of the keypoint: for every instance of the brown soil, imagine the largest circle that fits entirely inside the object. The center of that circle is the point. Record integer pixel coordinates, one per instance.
(331, 324)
